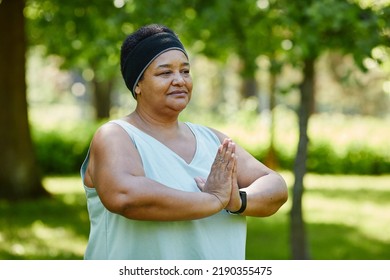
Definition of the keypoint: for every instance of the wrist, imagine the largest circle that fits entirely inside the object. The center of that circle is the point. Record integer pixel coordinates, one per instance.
(215, 203)
(243, 204)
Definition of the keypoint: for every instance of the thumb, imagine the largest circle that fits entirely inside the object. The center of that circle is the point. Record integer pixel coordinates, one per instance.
(200, 182)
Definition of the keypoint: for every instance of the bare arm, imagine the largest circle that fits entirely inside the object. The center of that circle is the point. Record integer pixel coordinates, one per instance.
(115, 170)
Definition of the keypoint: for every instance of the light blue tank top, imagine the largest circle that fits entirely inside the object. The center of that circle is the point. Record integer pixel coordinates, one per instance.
(218, 237)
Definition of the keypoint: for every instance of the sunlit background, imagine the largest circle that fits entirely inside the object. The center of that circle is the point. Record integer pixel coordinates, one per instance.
(247, 61)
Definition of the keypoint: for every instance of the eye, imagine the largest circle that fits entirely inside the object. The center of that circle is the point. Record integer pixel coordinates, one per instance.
(165, 73)
(185, 71)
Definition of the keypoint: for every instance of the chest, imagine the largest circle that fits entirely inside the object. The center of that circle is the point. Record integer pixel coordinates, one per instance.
(184, 146)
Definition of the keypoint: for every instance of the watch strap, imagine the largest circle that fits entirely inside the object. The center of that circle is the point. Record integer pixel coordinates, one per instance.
(243, 204)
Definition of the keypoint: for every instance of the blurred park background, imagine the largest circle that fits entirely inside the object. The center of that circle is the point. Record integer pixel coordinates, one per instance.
(303, 85)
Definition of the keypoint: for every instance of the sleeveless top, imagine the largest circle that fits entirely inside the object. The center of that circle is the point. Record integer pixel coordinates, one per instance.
(218, 237)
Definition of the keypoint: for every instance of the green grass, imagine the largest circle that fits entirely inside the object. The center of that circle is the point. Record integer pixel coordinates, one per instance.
(347, 218)
(55, 228)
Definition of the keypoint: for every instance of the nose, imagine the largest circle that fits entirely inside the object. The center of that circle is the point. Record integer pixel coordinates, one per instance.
(178, 79)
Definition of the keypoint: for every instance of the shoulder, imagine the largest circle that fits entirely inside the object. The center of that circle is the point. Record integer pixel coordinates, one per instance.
(207, 130)
(108, 132)
(112, 148)
(221, 136)
(107, 142)
(109, 139)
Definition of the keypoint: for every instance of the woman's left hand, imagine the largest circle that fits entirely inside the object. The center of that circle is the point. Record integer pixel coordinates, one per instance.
(235, 199)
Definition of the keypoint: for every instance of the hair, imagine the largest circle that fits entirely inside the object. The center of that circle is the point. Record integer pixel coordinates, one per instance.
(135, 38)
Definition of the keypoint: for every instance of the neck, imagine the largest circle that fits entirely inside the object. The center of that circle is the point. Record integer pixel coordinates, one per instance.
(152, 122)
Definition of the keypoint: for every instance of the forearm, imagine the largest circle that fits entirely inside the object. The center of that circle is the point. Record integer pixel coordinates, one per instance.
(146, 199)
(265, 195)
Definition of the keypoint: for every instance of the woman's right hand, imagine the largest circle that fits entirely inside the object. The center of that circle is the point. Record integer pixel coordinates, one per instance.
(219, 182)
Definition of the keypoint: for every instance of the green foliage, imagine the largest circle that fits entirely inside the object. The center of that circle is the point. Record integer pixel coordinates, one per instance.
(85, 34)
(317, 26)
(324, 159)
(336, 144)
(88, 34)
(357, 159)
(62, 151)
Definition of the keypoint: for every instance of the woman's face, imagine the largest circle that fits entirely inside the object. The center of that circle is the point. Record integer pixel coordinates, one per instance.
(166, 83)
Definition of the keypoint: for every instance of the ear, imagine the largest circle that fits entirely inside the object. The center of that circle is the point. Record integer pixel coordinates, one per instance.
(137, 90)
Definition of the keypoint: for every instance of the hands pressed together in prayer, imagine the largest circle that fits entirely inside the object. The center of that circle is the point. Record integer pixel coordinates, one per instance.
(222, 180)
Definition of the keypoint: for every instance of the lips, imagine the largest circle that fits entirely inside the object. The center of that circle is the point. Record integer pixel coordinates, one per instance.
(178, 92)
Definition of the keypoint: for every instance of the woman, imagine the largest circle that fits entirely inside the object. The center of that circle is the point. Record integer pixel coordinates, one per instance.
(158, 188)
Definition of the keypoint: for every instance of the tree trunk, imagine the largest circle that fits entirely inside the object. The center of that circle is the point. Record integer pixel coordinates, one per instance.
(299, 243)
(19, 174)
(271, 159)
(102, 98)
(249, 88)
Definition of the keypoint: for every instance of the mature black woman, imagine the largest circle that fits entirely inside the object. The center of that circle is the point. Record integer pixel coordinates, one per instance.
(159, 188)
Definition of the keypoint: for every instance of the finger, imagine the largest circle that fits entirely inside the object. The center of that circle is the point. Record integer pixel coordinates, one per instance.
(229, 152)
(220, 156)
(217, 158)
(199, 179)
(225, 144)
(231, 163)
(200, 182)
(233, 147)
(234, 173)
(223, 154)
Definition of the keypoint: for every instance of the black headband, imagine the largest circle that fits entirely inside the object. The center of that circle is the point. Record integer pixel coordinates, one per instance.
(144, 53)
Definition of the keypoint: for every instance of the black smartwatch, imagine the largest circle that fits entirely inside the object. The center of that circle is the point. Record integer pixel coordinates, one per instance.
(243, 204)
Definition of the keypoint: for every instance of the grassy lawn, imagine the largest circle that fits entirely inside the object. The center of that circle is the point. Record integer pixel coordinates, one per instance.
(55, 228)
(348, 217)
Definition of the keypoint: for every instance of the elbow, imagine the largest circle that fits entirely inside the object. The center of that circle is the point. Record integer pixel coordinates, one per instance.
(278, 198)
(274, 207)
(121, 203)
(281, 192)
(127, 206)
